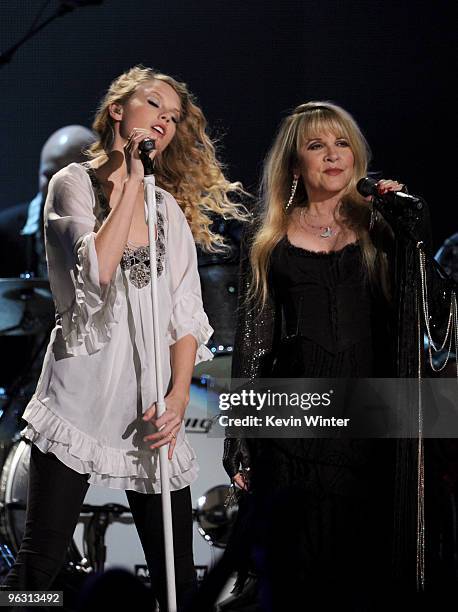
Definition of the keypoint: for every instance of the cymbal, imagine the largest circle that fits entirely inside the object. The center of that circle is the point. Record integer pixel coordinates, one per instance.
(26, 306)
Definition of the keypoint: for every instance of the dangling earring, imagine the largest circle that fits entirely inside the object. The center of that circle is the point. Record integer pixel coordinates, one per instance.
(293, 192)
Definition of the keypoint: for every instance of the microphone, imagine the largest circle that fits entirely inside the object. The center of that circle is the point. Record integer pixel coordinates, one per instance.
(367, 186)
(145, 147)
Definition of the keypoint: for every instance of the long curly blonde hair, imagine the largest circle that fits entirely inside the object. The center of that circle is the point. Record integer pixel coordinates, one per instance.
(188, 168)
(306, 121)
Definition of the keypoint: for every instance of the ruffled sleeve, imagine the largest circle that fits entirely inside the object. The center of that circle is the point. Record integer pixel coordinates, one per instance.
(86, 311)
(188, 315)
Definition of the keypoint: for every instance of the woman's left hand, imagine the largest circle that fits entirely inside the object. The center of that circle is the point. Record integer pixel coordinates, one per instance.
(169, 423)
(386, 185)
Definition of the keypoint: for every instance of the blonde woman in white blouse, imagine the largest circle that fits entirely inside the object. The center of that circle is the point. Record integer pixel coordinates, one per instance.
(92, 418)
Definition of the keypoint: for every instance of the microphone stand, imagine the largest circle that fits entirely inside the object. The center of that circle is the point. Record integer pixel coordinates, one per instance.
(150, 197)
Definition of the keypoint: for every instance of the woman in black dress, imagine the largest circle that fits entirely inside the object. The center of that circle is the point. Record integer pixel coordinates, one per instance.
(318, 299)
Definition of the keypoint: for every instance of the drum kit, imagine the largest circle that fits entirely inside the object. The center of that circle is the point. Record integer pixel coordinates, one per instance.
(105, 535)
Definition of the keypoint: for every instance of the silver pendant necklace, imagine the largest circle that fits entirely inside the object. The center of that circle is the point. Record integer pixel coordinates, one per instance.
(323, 231)
(327, 232)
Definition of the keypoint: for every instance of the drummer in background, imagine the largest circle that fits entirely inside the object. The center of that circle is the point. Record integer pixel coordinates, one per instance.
(22, 249)
(21, 235)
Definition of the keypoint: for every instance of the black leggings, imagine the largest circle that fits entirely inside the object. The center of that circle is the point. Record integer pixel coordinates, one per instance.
(56, 494)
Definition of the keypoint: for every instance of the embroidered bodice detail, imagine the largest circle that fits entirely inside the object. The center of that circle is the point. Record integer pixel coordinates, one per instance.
(137, 259)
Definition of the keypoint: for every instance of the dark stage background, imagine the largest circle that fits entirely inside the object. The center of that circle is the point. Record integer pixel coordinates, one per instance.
(390, 63)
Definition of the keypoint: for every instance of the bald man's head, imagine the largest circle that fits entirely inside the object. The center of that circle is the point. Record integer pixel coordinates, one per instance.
(63, 147)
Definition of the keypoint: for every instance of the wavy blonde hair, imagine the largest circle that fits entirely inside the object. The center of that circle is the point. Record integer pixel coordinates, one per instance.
(188, 168)
(305, 122)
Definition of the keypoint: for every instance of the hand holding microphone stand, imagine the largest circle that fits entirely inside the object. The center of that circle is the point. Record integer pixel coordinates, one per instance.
(388, 204)
(150, 196)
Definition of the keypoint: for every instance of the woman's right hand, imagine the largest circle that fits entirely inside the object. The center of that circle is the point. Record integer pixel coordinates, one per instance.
(132, 153)
(236, 461)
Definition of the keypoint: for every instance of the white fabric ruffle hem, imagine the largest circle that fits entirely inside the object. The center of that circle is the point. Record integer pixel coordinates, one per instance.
(108, 467)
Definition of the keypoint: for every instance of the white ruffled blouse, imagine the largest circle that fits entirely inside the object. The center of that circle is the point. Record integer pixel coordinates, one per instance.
(98, 376)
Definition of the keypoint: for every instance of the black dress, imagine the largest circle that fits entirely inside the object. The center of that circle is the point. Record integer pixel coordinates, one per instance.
(336, 494)
(326, 306)
(334, 519)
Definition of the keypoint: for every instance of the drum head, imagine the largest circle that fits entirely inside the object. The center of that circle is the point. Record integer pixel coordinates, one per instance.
(13, 494)
(14, 482)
